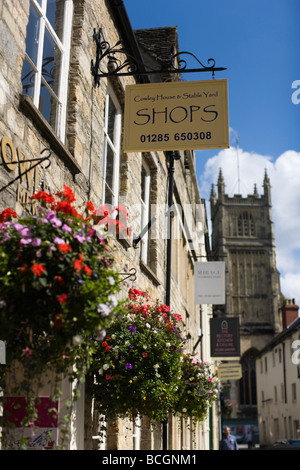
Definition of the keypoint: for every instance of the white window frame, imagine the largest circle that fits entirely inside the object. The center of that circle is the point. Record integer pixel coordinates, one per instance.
(64, 46)
(114, 147)
(145, 213)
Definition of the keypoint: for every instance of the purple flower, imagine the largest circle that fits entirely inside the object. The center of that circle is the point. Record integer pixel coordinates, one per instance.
(36, 242)
(66, 228)
(59, 240)
(19, 227)
(25, 241)
(51, 217)
(132, 328)
(79, 237)
(128, 365)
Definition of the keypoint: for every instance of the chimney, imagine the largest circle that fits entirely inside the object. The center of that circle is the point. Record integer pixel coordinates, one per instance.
(289, 313)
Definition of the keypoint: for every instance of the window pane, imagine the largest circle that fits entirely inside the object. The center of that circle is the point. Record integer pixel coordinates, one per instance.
(48, 105)
(51, 62)
(28, 77)
(109, 176)
(32, 37)
(111, 119)
(55, 10)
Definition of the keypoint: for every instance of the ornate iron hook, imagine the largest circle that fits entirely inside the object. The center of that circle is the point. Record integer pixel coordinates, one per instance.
(118, 58)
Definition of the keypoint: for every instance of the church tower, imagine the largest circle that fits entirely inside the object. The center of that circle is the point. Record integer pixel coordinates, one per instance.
(243, 237)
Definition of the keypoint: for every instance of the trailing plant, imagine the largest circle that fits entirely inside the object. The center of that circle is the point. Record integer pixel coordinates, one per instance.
(198, 389)
(58, 287)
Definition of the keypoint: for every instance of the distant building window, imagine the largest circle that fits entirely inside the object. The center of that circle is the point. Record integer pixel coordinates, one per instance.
(46, 63)
(111, 149)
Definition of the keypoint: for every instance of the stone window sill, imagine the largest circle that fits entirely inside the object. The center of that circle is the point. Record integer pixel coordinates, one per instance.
(145, 268)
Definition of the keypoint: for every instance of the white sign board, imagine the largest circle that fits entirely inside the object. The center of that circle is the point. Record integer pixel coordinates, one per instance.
(209, 282)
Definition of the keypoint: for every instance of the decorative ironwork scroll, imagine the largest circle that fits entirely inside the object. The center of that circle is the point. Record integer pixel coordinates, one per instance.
(117, 61)
(127, 275)
(38, 162)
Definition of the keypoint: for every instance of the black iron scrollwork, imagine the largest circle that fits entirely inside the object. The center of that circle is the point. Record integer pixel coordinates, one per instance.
(129, 275)
(117, 61)
(38, 162)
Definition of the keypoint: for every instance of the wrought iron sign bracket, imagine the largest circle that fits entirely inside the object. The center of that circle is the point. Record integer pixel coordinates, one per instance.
(38, 160)
(117, 61)
(131, 276)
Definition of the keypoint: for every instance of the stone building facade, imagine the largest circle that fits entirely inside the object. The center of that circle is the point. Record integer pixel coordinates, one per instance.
(51, 107)
(243, 237)
(278, 385)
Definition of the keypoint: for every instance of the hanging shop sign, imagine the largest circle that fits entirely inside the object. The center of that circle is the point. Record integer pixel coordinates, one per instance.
(225, 338)
(176, 116)
(231, 370)
(209, 282)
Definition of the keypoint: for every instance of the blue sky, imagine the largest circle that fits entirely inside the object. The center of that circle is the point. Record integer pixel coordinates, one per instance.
(258, 42)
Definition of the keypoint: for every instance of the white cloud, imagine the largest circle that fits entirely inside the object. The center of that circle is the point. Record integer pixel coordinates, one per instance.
(241, 171)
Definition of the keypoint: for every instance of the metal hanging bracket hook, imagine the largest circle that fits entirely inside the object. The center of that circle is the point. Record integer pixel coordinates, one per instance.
(117, 61)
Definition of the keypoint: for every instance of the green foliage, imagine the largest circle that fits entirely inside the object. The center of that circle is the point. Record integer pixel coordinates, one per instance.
(197, 390)
(136, 369)
(57, 284)
(57, 293)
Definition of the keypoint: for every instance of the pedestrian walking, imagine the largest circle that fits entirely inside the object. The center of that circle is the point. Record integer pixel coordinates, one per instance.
(228, 442)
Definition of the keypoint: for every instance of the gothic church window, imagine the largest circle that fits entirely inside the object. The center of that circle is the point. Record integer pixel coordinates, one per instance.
(46, 63)
(245, 225)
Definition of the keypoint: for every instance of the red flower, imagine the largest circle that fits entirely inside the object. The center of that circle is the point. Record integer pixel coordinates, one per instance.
(67, 194)
(108, 376)
(77, 265)
(87, 269)
(62, 298)
(145, 354)
(107, 349)
(90, 206)
(42, 196)
(7, 214)
(23, 268)
(104, 344)
(60, 280)
(38, 269)
(64, 248)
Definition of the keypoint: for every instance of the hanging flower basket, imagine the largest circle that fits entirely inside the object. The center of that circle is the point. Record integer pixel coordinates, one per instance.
(197, 390)
(136, 368)
(58, 282)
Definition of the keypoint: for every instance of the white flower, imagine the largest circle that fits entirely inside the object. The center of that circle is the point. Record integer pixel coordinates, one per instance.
(105, 366)
(77, 340)
(103, 309)
(113, 300)
(100, 371)
(144, 346)
(156, 366)
(184, 410)
(168, 345)
(111, 280)
(147, 325)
